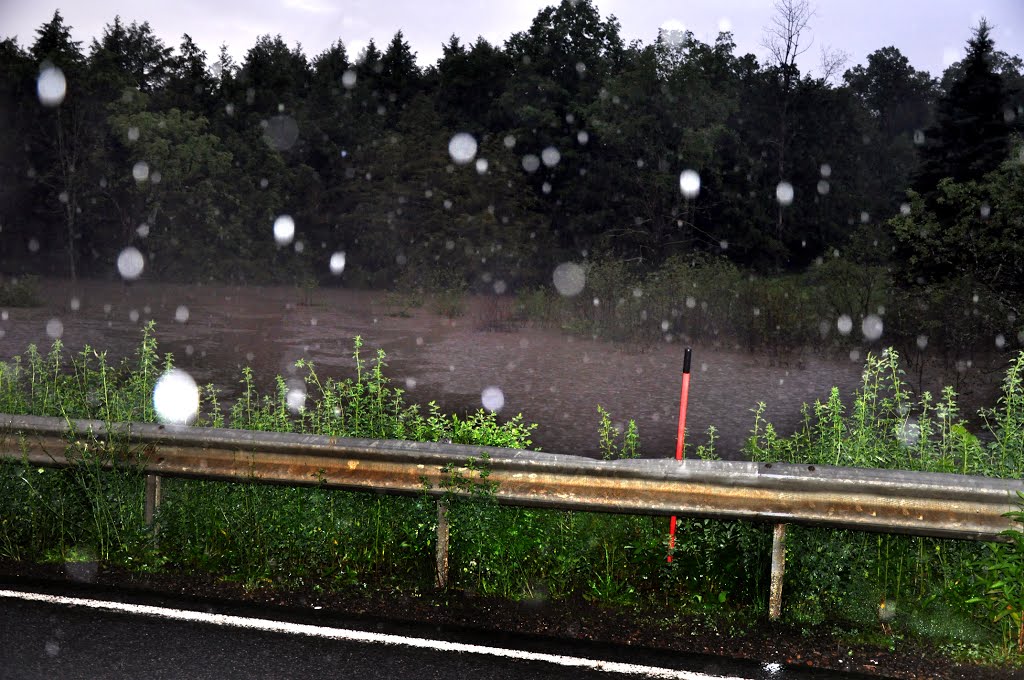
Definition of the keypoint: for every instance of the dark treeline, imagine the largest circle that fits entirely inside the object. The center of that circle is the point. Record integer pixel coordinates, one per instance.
(581, 145)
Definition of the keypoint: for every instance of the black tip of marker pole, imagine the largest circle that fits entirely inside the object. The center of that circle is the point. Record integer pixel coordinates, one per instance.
(686, 360)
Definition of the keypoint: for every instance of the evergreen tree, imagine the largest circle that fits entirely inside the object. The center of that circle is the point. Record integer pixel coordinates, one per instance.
(971, 135)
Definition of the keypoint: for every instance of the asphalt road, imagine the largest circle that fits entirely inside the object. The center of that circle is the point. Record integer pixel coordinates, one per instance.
(70, 639)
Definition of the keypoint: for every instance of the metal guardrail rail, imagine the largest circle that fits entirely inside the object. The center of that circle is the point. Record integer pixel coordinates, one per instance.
(891, 501)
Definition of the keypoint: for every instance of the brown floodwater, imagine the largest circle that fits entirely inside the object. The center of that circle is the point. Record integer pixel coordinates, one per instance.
(553, 378)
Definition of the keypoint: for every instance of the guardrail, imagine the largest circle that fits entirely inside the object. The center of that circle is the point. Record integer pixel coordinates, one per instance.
(889, 501)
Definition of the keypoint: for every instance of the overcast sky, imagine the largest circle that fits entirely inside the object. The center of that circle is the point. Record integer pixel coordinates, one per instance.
(931, 33)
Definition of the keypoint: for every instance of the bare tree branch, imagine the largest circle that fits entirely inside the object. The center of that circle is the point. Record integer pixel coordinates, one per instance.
(782, 37)
(832, 62)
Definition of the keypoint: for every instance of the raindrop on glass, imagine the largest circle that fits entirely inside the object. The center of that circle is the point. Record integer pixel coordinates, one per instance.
(845, 324)
(493, 399)
(33, 245)
(582, 136)
(826, 170)
(550, 156)
(133, 134)
(348, 79)
(985, 211)
(140, 171)
(76, 304)
(922, 342)
(51, 85)
(569, 278)
(904, 208)
(531, 162)
(54, 328)
(142, 230)
(481, 166)
(338, 263)
(510, 141)
(784, 193)
(130, 263)
(872, 327)
(462, 148)
(689, 183)
(176, 398)
(284, 230)
(181, 314)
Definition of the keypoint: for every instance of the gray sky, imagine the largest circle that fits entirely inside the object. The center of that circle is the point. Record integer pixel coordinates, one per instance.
(931, 33)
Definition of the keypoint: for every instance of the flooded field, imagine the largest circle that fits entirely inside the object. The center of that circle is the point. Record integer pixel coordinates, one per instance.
(554, 379)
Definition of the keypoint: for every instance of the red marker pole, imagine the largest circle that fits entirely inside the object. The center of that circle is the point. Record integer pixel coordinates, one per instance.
(680, 437)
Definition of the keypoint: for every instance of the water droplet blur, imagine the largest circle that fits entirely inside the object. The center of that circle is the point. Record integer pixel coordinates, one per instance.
(338, 263)
(133, 134)
(909, 433)
(410, 383)
(51, 85)
(985, 210)
(922, 342)
(296, 397)
(76, 304)
(531, 162)
(176, 398)
(493, 399)
(33, 245)
(784, 193)
(1000, 341)
(181, 314)
(142, 230)
(581, 68)
(281, 132)
(691, 302)
(854, 355)
(500, 287)
(509, 141)
(689, 183)
(348, 79)
(569, 279)
(918, 137)
(864, 217)
(582, 136)
(54, 328)
(462, 148)
(845, 324)
(904, 208)
(550, 156)
(140, 171)
(546, 187)
(130, 263)
(481, 166)
(284, 230)
(52, 648)
(872, 327)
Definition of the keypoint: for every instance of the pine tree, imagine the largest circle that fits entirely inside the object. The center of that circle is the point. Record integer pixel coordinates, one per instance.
(971, 135)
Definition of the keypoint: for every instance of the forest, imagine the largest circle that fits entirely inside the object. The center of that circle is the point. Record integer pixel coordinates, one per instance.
(499, 162)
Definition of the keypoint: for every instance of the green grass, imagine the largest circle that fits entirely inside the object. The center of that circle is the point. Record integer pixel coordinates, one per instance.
(19, 292)
(963, 595)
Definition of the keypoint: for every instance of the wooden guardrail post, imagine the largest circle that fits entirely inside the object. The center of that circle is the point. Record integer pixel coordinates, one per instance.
(152, 500)
(442, 544)
(778, 571)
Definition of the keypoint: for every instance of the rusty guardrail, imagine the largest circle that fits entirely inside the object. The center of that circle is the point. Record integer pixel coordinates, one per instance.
(891, 501)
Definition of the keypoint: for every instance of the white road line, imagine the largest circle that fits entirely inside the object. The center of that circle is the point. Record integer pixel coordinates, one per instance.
(360, 636)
